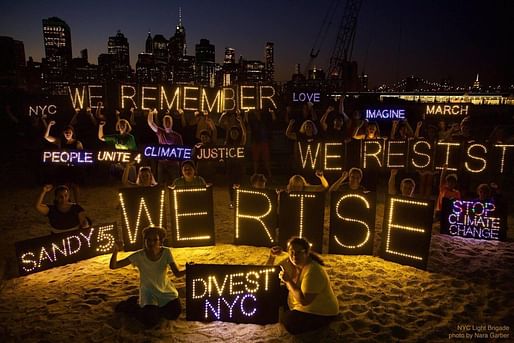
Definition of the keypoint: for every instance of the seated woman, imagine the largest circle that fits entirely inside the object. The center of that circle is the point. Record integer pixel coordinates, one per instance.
(297, 183)
(311, 302)
(189, 177)
(407, 185)
(258, 181)
(144, 177)
(62, 214)
(354, 184)
(158, 298)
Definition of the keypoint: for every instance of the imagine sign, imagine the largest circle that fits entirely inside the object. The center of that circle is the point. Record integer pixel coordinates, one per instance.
(232, 293)
(385, 113)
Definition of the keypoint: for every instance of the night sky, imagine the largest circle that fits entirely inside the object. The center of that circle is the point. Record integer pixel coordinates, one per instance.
(435, 39)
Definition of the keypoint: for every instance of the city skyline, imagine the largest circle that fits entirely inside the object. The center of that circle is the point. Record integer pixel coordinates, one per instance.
(391, 42)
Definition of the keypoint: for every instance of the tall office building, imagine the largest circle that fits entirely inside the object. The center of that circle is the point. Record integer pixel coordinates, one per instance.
(205, 63)
(12, 63)
(229, 70)
(118, 49)
(58, 55)
(230, 56)
(270, 62)
(177, 43)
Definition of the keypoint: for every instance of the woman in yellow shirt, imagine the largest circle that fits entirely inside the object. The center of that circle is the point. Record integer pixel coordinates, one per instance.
(311, 300)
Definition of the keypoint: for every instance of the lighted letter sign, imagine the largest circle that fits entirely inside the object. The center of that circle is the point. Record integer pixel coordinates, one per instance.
(141, 207)
(407, 230)
(421, 155)
(506, 158)
(433, 110)
(38, 110)
(372, 153)
(256, 217)
(192, 219)
(309, 156)
(219, 153)
(333, 157)
(352, 223)
(68, 157)
(42, 253)
(476, 162)
(385, 113)
(444, 156)
(306, 97)
(396, 153)
(232, 293)
(118, 156)
(167, 152)
(473, 219)
(302, 214)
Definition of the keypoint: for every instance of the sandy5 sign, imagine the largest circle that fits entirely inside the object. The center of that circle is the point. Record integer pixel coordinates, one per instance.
(42, 253)
(232, 293)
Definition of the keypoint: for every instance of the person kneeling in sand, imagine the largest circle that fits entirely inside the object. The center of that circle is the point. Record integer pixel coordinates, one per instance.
(158, 298)
(311, 302)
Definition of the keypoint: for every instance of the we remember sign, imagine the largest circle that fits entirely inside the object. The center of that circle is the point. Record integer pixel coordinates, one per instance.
(232, 293)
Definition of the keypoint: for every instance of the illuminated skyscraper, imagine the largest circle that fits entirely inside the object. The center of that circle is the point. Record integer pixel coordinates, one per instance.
(230, 56)
(269, 61)
(177, 43)
(205, 63)
(56, 65)
(229, 70)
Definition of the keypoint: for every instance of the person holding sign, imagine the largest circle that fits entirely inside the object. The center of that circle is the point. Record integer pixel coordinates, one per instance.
(62, 214)
(158, 298)
(144, 177)
(311, 301)
(407, 185)
(189, 177)
(354, 184)
(447, 189)
(123, 140)
(297, 183)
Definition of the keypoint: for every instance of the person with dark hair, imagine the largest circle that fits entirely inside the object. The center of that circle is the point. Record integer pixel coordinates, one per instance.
(67, 174)
(297, 183)
(63, 215)
(311, 302)
(158, 298)
(354, 176)
(235, 168)
(189, 177)
(367, 130)
(447, 189)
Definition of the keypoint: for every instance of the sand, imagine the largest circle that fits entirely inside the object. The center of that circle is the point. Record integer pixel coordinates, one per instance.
(468, 282)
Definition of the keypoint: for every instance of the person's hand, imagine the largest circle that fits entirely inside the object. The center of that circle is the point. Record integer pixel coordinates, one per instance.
(102, 123)
(88, 109)
(47, 188)
(181, 111)
(236, 186)
(276, 250)
(395, 123)
(154, 111)
(283, 276)
(205, 113)
(99, 104)
(344, 174)
(117, 246)
(419, 124)
(319, 174)
(132, 109)
(51, 123)
(394, 171)
(117, 112)
(330, 109)
(77, 109)
(197, 113)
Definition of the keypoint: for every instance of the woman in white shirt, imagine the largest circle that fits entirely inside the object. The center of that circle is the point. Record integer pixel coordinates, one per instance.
(158, 298)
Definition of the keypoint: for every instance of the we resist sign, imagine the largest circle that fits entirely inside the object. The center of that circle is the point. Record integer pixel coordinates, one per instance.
(232, 293)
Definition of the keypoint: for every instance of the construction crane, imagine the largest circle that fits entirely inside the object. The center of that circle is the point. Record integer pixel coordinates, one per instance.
(340, 65)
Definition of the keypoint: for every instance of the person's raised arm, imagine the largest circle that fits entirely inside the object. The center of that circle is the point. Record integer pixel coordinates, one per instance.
(393, 129)
(150, 120)
(49, 138)
(418, 129)
(125, 177)
(132, 119)
(321, 177)
(356, 134)
(114, 263)
(101, 131)
(346, 119)
(274, 252)
(83, 222)
(74, 119)
(91, 116)
(335, 186)
(40, 207)
(289, 131)
(323, 120)
(212, 127)
(391, 185)
(442, 181)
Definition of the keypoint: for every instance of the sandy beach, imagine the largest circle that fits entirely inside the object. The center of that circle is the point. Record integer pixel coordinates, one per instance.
(467, 289)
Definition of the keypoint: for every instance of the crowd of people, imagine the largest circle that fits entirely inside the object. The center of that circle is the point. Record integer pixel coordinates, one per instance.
(310, 300)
